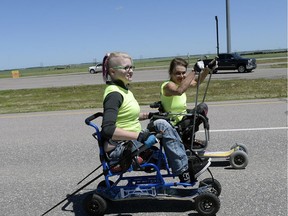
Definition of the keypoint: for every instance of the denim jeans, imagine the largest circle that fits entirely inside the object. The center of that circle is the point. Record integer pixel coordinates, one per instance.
(116, 154)
(173, 146)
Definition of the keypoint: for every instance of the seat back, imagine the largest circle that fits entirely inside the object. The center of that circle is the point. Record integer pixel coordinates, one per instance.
(97, 135)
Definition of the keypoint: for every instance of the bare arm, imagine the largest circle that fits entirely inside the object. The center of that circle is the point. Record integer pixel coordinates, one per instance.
(143, 116)
(202, 76)
(120, 134)
(171, 89)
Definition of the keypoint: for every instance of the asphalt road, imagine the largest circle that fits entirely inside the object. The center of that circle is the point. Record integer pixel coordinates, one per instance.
(44, 155)
(139, 76)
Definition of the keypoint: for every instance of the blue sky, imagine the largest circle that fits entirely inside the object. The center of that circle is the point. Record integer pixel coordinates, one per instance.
(57, 32)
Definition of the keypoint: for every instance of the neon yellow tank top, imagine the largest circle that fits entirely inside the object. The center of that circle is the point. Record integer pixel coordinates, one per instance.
(174, 104)
(128, 114)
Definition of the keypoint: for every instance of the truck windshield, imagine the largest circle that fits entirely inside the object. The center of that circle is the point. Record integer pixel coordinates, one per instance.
(237, 56)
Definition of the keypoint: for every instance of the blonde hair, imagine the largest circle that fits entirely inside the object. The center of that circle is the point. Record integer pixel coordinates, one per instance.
(109, 61)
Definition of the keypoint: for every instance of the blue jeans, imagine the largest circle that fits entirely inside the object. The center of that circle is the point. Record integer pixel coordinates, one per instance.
(116, 154)
(173, 146)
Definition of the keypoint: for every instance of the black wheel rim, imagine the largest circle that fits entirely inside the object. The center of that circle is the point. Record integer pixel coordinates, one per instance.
(207, 205)
(239, 160)
(93, 206)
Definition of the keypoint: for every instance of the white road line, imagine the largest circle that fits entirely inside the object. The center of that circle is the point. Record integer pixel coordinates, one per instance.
(247, 129)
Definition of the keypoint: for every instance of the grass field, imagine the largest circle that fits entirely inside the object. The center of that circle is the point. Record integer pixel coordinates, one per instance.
(90, 96)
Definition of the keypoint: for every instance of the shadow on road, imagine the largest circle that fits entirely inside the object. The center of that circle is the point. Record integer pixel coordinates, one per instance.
(224, 164)
(232, 72)
(128, 207)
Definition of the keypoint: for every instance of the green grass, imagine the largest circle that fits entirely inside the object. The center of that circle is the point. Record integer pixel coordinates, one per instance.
(90, 96)
(41, 71)
(284, 65)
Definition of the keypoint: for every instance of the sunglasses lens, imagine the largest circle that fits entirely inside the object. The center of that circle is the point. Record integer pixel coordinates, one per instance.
(129, 67)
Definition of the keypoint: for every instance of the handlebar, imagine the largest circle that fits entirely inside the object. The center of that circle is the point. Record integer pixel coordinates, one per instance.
(92, 117)
(156, 104)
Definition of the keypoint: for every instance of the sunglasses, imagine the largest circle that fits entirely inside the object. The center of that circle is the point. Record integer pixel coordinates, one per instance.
(126, 68)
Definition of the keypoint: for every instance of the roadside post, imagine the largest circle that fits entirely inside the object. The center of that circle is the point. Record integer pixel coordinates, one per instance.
(15, 74)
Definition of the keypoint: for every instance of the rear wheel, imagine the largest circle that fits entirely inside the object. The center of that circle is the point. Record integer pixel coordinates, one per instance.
(207, 204)
(94, 205)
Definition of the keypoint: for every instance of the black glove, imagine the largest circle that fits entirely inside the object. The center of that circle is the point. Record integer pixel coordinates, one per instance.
(147, 138)
(150, 115)
(156, 104)
(213, 64)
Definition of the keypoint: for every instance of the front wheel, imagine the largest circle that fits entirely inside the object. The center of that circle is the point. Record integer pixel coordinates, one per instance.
(239, 159)
(241, 68)
(212, 182)
(207, 204)
(94, 205)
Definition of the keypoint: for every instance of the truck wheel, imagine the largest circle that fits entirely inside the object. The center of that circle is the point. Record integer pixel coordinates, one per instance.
(241, 68)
